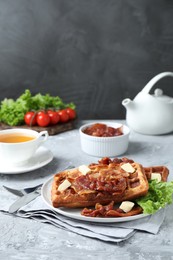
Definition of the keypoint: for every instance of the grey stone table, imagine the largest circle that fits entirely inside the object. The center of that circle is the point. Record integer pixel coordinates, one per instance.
(28, 239)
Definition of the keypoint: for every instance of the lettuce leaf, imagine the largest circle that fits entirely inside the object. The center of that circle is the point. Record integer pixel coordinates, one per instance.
(12, 111)
(159, 195)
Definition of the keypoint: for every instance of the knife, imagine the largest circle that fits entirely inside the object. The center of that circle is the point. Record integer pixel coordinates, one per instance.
(24, 200)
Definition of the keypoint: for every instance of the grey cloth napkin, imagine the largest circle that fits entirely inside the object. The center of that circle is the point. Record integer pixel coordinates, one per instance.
(109, 232)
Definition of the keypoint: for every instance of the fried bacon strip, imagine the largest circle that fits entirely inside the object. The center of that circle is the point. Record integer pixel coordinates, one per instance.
(111, 183)
(109, 211)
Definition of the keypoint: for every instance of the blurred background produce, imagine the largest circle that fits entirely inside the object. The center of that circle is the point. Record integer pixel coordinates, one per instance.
(42, 110)
(93, 53)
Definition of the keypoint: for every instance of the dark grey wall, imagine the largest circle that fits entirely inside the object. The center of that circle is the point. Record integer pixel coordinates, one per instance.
(92, 52)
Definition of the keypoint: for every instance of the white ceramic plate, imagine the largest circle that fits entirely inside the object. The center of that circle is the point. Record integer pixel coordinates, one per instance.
(75, 213)
(42, 157)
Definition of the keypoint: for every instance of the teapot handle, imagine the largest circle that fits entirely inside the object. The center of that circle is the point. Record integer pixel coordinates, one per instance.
(154, 80)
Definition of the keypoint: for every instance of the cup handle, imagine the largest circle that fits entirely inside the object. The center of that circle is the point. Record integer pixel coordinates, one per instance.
(43, 134)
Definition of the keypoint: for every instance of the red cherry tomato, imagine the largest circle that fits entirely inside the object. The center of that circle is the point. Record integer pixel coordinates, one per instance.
(64, 117)
(30, 118)
(43, 119)
(54, 117)
(71, 112)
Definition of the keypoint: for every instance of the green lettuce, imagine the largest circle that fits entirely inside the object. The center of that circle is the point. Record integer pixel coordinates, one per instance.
(12, 111)
(159, 195)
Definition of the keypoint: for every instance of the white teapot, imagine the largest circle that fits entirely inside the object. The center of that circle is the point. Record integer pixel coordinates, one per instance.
(150, 114)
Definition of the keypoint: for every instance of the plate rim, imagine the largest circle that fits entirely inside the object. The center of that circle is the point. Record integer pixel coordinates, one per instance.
(44, 190)
(24, 169)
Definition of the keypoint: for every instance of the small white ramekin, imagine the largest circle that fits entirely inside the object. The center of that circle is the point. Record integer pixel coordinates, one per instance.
(105, 146)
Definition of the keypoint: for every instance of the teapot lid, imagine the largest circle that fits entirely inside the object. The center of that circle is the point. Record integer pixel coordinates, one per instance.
(158, 93)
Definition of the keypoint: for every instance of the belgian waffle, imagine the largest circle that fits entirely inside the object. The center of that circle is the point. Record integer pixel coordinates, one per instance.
(163, 170)
(102, 184)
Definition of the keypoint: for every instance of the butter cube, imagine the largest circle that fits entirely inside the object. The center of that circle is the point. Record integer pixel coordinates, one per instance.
(128, 167)
(84, 169)
(156, 176)
(64, 185)
(126, 206)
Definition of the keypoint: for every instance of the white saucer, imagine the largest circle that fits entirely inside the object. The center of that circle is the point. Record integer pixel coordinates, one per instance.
(42, 157)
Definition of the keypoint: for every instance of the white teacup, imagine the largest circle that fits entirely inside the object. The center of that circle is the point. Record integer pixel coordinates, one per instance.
(17, 146)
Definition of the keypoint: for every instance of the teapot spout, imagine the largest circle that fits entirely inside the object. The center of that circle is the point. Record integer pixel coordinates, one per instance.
(127, 103)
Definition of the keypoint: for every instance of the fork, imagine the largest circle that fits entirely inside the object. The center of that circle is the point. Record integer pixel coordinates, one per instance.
(22, 192)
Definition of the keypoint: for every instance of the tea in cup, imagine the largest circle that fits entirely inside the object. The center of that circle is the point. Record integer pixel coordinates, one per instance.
(17, 146)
